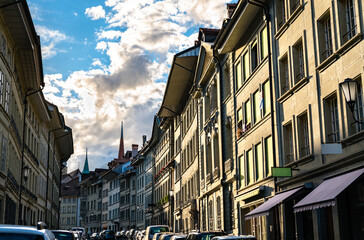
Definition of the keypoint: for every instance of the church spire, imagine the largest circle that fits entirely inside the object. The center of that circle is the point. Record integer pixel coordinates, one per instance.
(121, 145)
(85, 167)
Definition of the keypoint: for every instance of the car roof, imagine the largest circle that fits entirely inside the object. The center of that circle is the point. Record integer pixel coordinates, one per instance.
(60, 231)
(4, 228)
(234, 237)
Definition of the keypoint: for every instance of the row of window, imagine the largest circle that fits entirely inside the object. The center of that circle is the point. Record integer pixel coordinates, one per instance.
(254, 54)
(114, 198)
(254, 109)
(69, 221)
(346, 29)
(289, 79)
(162, 163)
(189, 190)
(256, 163)
(68, 209)
(161, 192)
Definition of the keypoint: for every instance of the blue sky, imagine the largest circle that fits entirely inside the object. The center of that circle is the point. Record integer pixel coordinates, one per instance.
(107, 61)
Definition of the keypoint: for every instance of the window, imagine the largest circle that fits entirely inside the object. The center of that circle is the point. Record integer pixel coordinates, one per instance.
(259, 162)
(298, 61)
(332, 120)
(303, 135)
(246, 67)
(283, 74)
(248, 117)
(288, 143)
(264, 42)
(281, 13)
(241, 170)
(294, 5)
(268, 155)
(3, 154)
(257, 106)
(2, 81)
(240, 121)
(249, 167)
(325, 37)
(254, 55)
(347, 22)
(266, 98)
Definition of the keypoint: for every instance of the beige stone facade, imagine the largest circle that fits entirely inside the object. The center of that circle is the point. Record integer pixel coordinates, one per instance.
(30, 127)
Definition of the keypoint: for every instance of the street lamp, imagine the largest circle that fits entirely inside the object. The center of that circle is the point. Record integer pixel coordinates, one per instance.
(350, 90)
(26, 170)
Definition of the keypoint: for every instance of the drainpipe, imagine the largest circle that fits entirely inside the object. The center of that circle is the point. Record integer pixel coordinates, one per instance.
(22, 149)
(265, 7)
(220, 133)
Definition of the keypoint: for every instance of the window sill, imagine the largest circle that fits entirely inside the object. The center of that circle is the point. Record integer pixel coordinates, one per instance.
(353, 139)
(301, 161)
(294, 89)
(327, 62)
(252, 127)
(341, 51)
(289, 21)
(349, 44)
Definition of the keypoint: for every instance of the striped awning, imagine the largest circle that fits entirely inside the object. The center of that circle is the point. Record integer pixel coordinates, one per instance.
(263, 210)
(324, 195)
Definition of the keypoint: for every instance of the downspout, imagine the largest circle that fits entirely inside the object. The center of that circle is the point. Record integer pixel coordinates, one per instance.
(22, 149)
(220, 134)
(265, 7)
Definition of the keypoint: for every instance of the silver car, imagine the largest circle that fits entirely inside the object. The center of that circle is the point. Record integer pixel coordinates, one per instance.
(14, 232)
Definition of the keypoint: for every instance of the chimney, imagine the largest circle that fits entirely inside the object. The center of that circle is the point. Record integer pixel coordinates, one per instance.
(134, 150)
(121, 144)
(144, 139)
(230, 9)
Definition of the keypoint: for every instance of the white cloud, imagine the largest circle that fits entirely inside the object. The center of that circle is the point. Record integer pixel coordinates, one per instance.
(139, 40)
(50, 38)
(95, 13)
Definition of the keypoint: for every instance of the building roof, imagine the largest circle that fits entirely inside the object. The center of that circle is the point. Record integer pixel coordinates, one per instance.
(71, 188)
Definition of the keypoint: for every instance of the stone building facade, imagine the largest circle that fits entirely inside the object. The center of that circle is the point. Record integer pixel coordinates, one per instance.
(32, 130)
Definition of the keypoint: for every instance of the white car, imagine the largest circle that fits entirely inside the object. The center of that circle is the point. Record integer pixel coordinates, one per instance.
(13, 232)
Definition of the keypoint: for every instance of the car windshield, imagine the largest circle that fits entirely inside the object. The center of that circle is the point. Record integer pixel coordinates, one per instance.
(158, 230)
(63, 236)
(109, 234)
(208, 236)
(19, 236)
(167, 237)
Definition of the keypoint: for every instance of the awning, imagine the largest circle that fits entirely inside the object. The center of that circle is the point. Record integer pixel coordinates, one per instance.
(324, 195)
(263, 210)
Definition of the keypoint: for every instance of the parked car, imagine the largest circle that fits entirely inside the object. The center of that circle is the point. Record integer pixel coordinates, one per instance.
(11, 232)
(79, 230)
(94, 236)
(157, 236)
(166, 236)
(107, 235)
(178, 237)
(118, 236)
(151, 230)
(197, 235)
(63, 235)
(232, 237)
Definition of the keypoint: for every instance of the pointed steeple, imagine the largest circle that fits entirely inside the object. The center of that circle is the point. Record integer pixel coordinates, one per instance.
(121, 145)
(85, 167)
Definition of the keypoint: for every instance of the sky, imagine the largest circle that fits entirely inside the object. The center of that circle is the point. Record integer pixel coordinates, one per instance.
(107, 61)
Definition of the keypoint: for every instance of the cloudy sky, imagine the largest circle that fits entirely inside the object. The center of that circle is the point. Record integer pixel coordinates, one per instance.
(107, 61)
